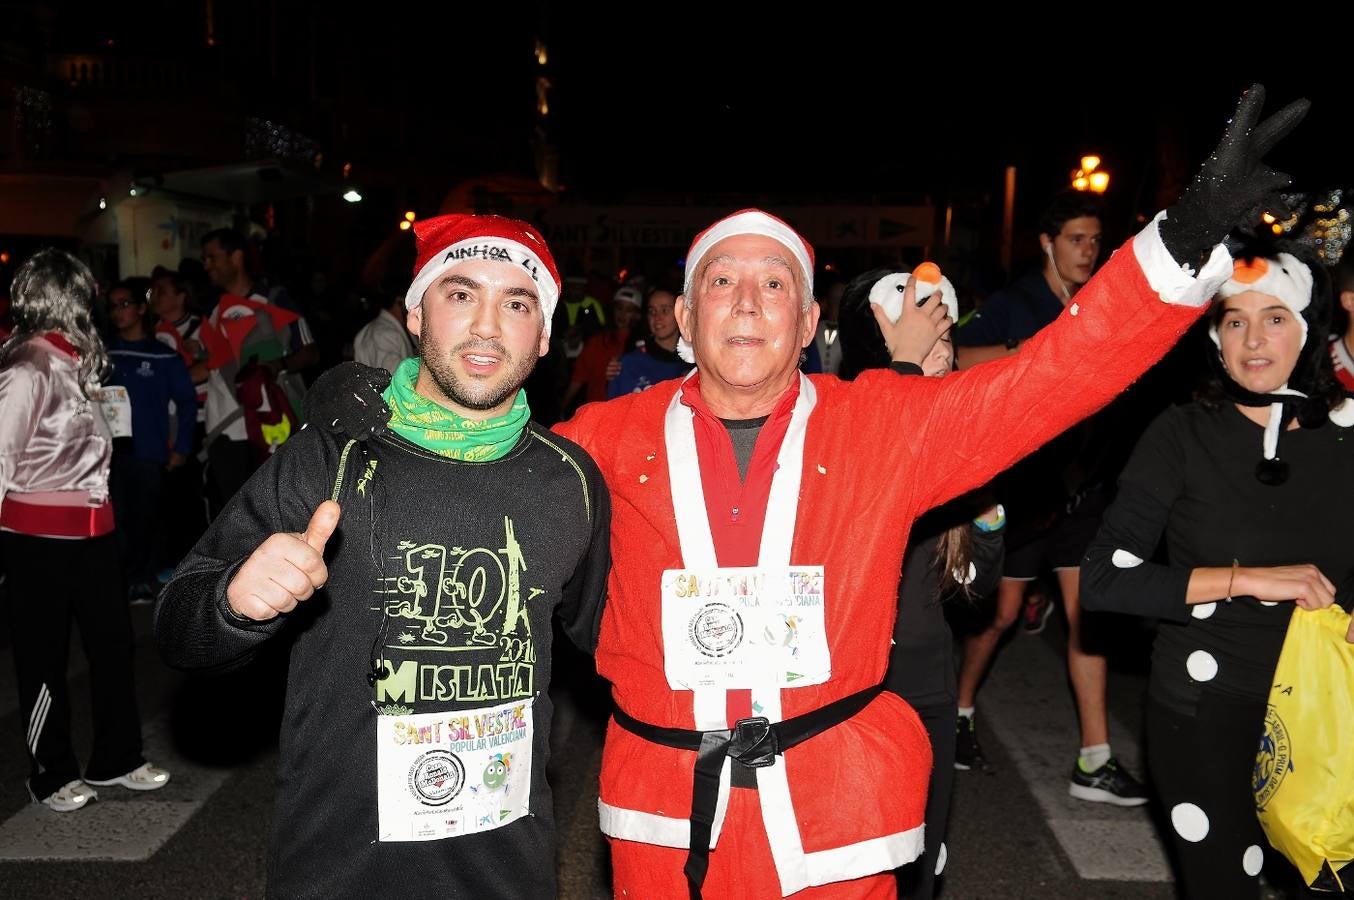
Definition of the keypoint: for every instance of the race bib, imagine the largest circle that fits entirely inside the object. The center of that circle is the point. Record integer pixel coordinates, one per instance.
(116, 405)
(447, 774)
(732, 628)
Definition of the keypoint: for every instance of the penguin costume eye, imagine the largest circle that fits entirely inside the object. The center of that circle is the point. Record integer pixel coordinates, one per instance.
(900, 288)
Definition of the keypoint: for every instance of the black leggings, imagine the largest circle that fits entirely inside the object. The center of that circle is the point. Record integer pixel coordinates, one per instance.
(1202, 766)
(916, 881)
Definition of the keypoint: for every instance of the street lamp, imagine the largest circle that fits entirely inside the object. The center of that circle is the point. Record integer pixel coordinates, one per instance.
(1090, 177)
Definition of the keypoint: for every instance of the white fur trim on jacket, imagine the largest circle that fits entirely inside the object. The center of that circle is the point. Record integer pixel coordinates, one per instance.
(662, 831)
(1174, 282)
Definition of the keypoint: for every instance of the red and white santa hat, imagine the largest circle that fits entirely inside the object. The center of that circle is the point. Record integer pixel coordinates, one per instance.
(444, 242)
(749, 221)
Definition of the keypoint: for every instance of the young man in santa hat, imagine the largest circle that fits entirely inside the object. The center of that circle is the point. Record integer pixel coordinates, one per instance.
(761, 521)
(417, 575)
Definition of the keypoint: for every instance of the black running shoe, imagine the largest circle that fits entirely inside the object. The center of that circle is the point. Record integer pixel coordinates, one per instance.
(967, 753)
(1108, 784)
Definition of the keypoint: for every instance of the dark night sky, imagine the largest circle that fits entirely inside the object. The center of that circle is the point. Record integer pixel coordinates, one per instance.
(837, 100)
(843, 97)
(858, 121)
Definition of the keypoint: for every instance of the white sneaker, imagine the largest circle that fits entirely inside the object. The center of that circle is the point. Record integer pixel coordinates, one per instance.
(144, 777)
(72, 796)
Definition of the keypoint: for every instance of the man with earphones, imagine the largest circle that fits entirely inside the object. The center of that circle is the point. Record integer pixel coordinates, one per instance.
(1053, 501)
(1069, 235)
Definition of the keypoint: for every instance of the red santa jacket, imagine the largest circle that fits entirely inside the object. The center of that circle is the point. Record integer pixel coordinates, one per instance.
(872, 456)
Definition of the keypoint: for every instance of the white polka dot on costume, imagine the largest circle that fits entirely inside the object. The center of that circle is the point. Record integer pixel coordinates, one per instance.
(941, 857)
(1074, 309)
(1190, 822)
(1253, 860)
(1201, 666)
(1124, 560)
(1343, 415)
(1269, 603)
(1203, 610)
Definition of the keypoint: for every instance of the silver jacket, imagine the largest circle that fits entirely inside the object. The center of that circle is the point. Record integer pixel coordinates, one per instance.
(52, 437)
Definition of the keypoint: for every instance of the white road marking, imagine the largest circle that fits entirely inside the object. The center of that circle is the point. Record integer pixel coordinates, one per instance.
(121, 825)
(1028, 704)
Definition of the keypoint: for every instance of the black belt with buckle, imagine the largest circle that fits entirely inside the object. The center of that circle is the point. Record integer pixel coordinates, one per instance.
(753, 742)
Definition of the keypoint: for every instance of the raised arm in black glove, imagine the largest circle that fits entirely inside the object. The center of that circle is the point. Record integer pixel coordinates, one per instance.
(1233, 182)
(347, 400)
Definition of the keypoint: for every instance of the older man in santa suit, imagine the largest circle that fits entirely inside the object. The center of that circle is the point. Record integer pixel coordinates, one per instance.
(759, 522)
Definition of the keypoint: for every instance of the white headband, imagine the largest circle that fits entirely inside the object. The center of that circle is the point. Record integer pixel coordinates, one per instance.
(751, 222)
(493, 249)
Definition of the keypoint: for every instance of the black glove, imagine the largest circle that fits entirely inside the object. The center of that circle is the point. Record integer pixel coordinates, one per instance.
(347, 400)
(1233, 182)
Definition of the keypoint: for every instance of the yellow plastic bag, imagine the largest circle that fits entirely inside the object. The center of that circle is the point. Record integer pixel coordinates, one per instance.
(1304, 771)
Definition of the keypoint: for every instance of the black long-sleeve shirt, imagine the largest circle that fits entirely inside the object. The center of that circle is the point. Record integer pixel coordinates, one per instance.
(1192, 478)
(445, 573)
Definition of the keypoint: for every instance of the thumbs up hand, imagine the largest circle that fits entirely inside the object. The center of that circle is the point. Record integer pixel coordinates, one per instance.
(285, 570)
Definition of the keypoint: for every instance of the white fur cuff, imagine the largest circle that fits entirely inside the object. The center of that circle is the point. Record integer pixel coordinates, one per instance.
(1172, 281)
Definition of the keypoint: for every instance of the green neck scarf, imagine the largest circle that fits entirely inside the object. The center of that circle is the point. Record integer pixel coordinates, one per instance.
(439, 430)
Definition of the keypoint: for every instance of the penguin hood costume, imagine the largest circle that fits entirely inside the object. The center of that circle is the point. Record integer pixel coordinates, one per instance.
(1290, 273)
